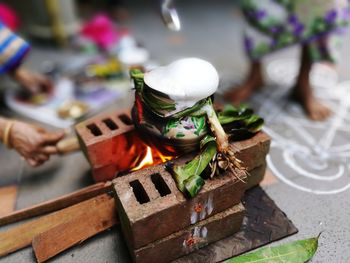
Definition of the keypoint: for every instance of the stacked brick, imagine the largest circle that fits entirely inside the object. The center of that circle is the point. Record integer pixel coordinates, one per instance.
(158, 222)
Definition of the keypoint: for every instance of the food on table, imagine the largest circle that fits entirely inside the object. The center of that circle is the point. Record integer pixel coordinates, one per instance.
(72, 109)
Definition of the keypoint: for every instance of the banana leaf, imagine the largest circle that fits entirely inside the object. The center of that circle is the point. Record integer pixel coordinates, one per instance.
(295, 252)
(137, 76)
(157, 103)
(187, 176)
(231, 113)
(240, 122)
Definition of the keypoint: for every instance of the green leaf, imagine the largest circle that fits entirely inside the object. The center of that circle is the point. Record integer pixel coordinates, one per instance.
(195, 110)
(254, 123)
(231, 113)
(180, 135)
(241, 119)
(137, 75)
(207, 139)
(199, 124)
(193, 185)
(187, 176)
(157, 103)
(295, 252)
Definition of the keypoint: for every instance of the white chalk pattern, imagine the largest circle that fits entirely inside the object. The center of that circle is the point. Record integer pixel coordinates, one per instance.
(307, 155)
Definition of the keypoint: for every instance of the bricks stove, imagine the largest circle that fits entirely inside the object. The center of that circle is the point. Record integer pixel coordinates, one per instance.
(158, 222)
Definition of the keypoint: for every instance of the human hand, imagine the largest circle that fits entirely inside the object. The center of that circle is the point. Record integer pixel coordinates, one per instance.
(31, 81)
(34, 143)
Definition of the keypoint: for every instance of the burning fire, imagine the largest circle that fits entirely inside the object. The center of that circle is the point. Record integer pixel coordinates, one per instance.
(151, 157)
(135, 154)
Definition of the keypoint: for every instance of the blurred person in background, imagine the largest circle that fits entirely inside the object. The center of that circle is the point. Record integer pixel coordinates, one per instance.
(276, 24)
(33, 143)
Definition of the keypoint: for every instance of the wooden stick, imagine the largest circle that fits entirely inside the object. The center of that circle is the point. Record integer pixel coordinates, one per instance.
(57, 203)
(8, 195)
(68, 145)
(21, 236)
(57, 239)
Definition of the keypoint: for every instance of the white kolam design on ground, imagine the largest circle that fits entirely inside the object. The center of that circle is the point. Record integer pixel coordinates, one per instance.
(310, 156)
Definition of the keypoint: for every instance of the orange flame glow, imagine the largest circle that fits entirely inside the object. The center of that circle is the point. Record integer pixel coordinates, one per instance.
(152, 157)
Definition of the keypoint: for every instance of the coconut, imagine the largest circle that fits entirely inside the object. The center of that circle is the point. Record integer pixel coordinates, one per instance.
(185, 81)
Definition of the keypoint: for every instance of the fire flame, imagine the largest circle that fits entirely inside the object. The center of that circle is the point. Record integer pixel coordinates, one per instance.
(152, 157)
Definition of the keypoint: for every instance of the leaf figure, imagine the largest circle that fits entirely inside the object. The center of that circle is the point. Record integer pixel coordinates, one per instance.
(295, 252)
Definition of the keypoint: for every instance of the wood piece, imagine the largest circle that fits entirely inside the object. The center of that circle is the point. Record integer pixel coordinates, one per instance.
(8, 195)
(59, 238)
(57, 203)
(21, 236)
(68, 145)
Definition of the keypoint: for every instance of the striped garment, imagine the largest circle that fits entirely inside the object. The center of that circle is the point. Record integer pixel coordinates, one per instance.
(12, 49)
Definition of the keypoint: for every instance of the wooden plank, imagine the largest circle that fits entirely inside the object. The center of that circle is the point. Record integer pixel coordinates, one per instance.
(57, 203)
(57, 239)
(21, 236)
(8, 195)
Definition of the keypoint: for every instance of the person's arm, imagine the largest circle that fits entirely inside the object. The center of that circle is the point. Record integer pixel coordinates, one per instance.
(32, 81)
(13, 49)
(33, 143)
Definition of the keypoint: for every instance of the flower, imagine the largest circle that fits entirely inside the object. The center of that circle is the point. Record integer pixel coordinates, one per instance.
(101, 31)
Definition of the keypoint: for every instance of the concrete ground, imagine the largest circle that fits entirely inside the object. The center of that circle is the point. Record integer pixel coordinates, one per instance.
(309, 159)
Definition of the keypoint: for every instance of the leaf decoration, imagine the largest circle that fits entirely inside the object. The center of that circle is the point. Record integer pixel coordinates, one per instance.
(137, 76)
(295, 252)
(187, 176)
(240, 122)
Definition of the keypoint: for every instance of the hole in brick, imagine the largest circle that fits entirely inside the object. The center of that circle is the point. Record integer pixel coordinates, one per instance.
(110, 124)
(139, 192)
(94, 129)
(160, 184)
(125, 119)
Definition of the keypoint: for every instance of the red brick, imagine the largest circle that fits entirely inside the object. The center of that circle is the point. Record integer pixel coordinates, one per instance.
(105, 173)
(152, 220)
(252, 152)
(191, 238)
(256, 175)
(109, 146)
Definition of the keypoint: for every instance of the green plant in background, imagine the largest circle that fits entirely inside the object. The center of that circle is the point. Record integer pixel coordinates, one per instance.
(294, 252)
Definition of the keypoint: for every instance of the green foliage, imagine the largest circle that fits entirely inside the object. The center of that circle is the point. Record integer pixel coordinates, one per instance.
(137, 76)
(242, 118)
(187, 176)
(295, 252)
